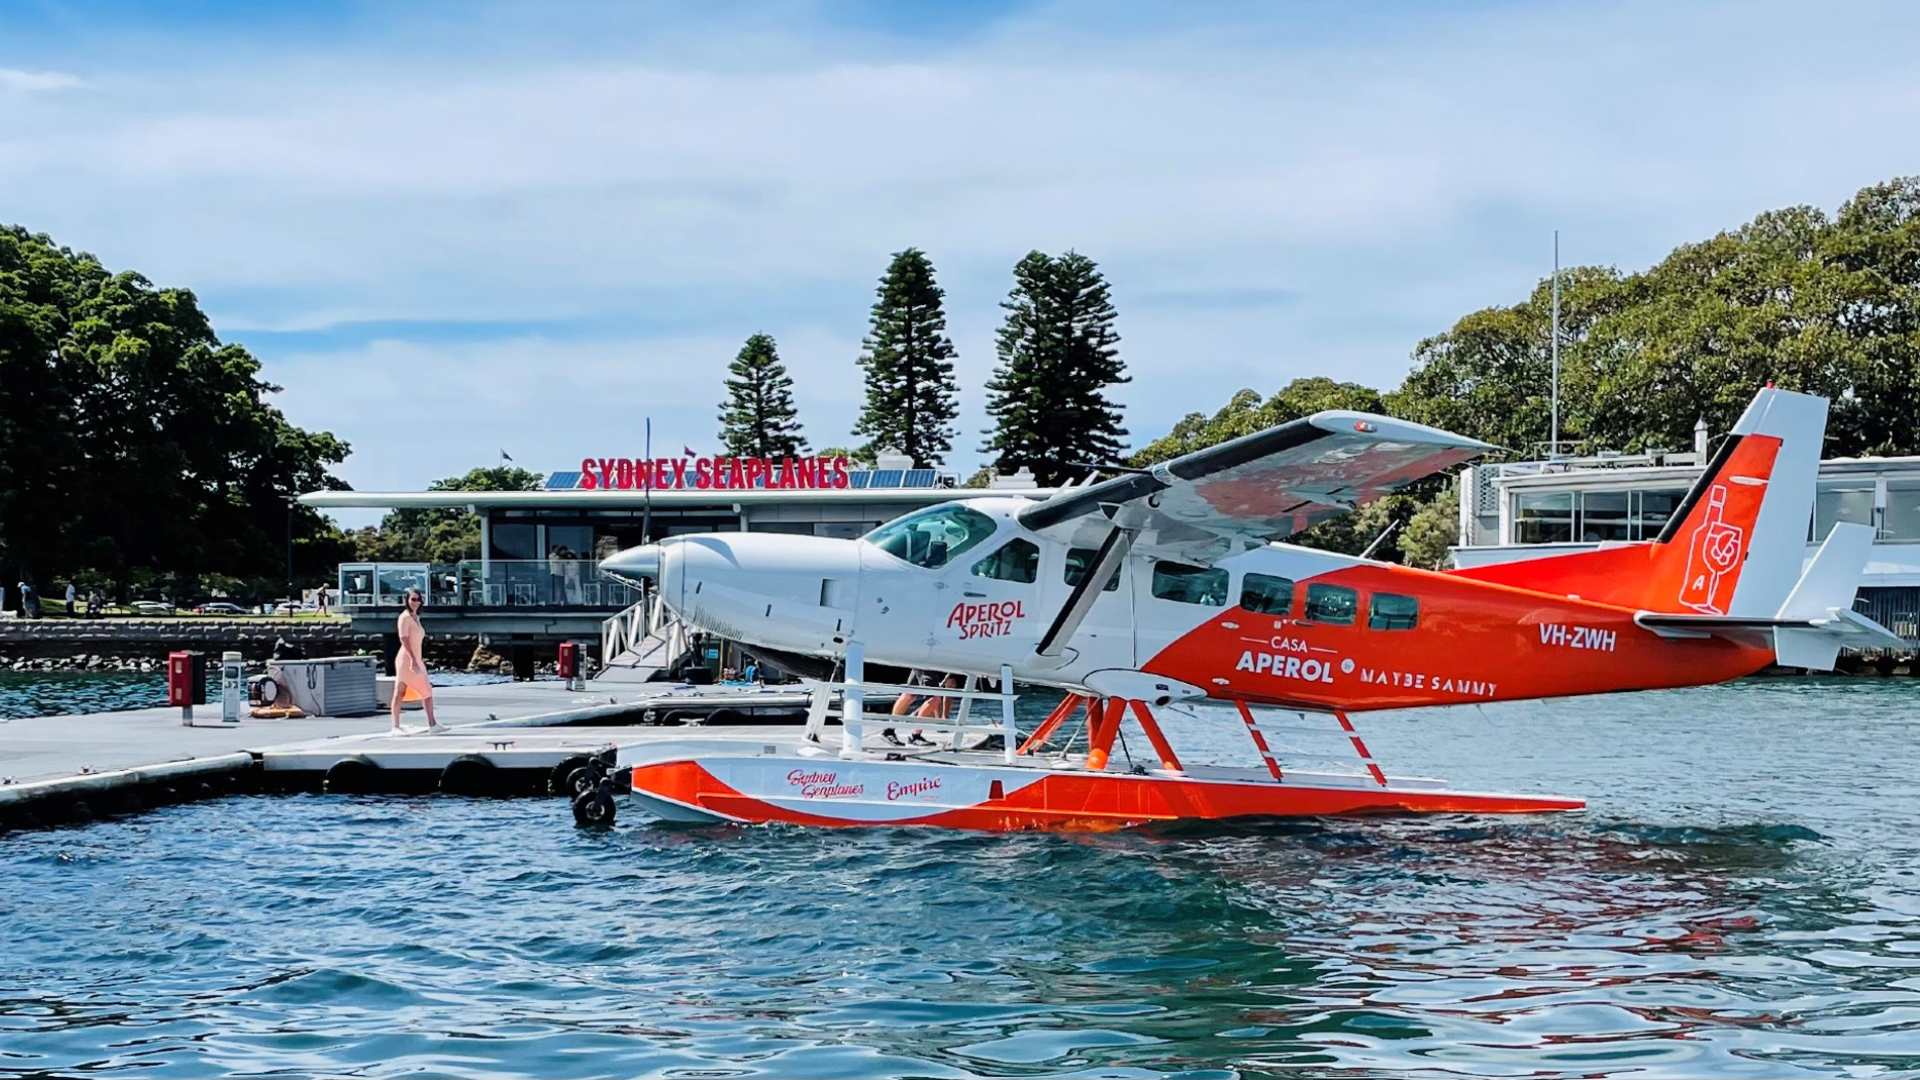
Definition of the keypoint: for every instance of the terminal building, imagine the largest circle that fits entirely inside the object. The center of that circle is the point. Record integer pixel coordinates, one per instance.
(1524, 510)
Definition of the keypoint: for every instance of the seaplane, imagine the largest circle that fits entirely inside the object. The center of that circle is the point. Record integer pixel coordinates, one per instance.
(1163, 588)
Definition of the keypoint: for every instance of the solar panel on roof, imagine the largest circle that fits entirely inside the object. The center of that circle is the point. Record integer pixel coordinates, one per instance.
(918, 478)
(563, 480)
(859, 477)
(886, 478)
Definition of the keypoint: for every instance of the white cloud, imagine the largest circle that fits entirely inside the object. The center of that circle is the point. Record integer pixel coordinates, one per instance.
(676, 189)
(37, 82)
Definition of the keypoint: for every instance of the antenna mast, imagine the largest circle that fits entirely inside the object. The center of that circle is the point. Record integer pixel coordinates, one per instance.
(1553, 438)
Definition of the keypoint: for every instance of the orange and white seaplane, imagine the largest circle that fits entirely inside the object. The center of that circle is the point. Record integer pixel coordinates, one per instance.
(1167, 586)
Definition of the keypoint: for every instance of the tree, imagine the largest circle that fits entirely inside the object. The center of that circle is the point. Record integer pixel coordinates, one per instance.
(909, 364)
(134, 442)
(758, 419)
(441, 535)
(1058, 354)
(862, 456)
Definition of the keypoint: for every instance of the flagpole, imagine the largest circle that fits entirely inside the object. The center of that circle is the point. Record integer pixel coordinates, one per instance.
(1553, 438)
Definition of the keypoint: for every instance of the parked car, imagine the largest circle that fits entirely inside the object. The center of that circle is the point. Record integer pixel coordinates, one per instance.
(150, 607)
(289, 607)
(220, 607)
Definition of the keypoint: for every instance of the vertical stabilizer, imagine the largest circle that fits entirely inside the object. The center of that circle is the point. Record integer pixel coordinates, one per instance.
(1735, 544)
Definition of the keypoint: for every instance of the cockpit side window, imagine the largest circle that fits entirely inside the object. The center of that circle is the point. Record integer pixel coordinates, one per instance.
(1017, 560)
(933, 537)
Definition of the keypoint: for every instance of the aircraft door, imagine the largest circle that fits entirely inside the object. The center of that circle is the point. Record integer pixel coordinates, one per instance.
(1171, 599)
(991, 611)
(894, 603)
(1105, 636)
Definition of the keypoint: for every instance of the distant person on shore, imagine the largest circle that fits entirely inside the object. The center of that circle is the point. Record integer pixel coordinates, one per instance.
(29, 603)
(410, 682)
(72, 593)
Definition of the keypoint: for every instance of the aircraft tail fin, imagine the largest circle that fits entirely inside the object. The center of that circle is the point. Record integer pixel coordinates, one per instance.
(1733, 546)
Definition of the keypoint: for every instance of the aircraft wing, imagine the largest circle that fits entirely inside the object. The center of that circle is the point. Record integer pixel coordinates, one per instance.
(1266, 485)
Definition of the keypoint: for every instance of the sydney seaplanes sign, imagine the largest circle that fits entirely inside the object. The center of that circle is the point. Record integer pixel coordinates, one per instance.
(694, 473)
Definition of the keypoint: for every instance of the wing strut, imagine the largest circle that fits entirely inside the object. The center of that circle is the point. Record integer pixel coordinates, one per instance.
(1107, 561)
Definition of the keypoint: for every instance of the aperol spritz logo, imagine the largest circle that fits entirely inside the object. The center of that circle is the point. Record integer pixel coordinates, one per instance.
(985, 620)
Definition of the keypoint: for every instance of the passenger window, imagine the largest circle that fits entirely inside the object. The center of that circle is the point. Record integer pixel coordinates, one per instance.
(1335, 605)
(1266, 595)
(1079, 561)
(1018, 561)
(1390, 612)
(1190, 584)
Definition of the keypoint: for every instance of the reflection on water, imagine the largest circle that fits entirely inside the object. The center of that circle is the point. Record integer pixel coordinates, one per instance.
(1742, 900)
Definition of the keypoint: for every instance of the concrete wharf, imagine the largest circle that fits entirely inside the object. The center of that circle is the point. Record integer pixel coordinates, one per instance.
(503, 738)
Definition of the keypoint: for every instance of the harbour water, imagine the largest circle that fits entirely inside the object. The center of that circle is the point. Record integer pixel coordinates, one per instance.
(1743, 899)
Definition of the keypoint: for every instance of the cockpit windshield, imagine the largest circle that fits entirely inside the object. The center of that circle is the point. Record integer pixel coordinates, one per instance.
(933, 537)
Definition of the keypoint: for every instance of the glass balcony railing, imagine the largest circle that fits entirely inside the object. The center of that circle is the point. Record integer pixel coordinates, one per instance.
(497, 584)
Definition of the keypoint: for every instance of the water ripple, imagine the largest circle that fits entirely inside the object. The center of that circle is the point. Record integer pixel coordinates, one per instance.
(1764, 923)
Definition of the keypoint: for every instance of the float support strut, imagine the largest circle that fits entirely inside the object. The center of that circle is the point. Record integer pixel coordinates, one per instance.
(1052, 723)
(1259, 740)
(1360, 748)
(1100, 746)
(1148, 724)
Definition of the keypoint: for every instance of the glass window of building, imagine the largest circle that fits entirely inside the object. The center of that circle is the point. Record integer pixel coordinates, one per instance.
(1651, 509)
(1832, 505)
(1266, 594)
(934, 537)
(1392, 612)
(1190, 584)
(1543, 517)
(1332, 604)
(1604, 516)
(1018, 560)
(1079, 561)
(512, 541)
(1901, 520)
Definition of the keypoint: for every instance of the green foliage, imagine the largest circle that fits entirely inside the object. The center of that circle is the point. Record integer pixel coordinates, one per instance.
(862, 456)
(1830, 306)
(440, 536)
(1245, 413)
(1431, 530)
(132, 440)
(909, 363)
(1058, 354)
(758, 419)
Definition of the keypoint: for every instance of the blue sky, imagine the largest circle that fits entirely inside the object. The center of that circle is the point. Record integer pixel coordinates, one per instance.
(448, 229)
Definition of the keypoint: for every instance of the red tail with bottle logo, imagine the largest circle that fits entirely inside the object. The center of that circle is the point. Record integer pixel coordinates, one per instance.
(1733, 547)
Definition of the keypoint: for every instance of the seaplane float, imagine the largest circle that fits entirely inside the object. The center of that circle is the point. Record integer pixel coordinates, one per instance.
(1160, 588)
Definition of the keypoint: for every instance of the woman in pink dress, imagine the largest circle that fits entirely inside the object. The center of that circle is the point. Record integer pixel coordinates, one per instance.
(410, 681)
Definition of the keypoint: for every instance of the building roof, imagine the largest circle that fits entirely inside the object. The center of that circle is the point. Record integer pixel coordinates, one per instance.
(633, 500)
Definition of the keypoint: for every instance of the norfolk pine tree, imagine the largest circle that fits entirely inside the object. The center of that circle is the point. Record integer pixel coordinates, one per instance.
(909, 363)
(758, 418)
(1058, 353)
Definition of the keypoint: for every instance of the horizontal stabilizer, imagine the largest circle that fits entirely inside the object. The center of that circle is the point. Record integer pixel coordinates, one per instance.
(1816, 621)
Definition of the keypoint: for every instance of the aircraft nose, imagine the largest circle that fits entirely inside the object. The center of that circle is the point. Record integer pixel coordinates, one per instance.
(634, 564)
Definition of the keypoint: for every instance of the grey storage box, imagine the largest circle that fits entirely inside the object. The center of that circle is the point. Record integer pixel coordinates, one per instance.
(331, 685)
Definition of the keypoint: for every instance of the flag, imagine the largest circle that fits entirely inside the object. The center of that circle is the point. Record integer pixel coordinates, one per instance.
(687, 451)
(504, 456)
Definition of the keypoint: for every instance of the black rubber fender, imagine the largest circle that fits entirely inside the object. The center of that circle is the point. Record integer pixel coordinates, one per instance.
(558, 779)
(351, 776)
(470, 774)
(594, 809)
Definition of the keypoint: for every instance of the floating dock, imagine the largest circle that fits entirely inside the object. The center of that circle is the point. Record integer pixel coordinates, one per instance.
(502, 738)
